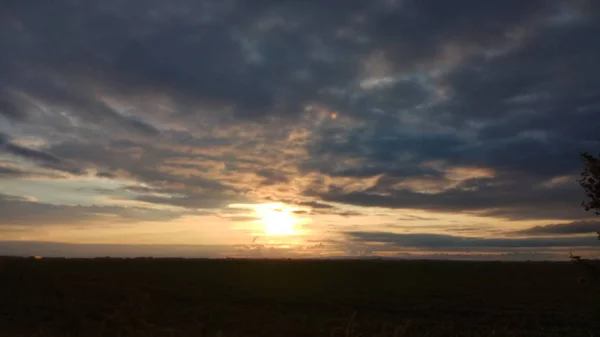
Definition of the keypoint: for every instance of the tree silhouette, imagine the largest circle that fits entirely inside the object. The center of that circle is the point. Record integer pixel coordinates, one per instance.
(590, 181)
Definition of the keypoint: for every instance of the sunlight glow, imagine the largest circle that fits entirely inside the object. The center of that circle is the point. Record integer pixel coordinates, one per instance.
(277, 219)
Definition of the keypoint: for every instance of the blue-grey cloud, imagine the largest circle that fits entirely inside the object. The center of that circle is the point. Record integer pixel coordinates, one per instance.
(21, 151)
(575, 227)
(438, 241)
(512, 199)
(11, 172)
(266, 58)
(142, 163)
(14, 172)
(10, 110)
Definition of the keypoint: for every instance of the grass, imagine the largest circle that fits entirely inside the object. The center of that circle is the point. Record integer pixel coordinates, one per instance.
(230, 298)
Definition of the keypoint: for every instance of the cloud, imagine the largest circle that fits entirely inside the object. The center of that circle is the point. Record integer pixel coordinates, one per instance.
(451, 242)
(204, 200)
(411, 217)
(11, 172)
(575, 227)
(314, 204)
(145, 164)
(268, 59)
(14, 172)
(516, 199)
(10, 110)
(57, 249)
(7, 146)
(466, 106)
(30, 153)
(272, 176)
(22, 211)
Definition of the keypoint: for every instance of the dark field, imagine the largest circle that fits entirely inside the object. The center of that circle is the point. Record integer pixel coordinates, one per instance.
(172, 297)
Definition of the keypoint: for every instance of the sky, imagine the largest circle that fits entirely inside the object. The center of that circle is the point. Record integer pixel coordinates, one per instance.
(300, 129)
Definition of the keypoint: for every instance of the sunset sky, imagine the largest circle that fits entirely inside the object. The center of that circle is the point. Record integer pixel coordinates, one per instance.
(272, 128)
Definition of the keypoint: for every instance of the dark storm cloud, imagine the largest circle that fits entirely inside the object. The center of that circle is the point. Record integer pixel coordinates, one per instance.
(437, 241)
(575, 227)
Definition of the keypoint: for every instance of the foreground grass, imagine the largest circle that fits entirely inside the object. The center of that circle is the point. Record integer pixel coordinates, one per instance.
(169, 297)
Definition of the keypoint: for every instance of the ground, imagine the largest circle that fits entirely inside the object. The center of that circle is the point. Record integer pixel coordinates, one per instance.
(205, 298)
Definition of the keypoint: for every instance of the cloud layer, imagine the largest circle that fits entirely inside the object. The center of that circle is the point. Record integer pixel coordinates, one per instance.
(145, 110)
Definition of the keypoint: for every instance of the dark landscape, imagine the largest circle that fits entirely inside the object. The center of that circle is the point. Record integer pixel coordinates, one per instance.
(196, 297)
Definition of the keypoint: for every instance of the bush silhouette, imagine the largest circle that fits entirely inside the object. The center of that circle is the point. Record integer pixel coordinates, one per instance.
(590, 181)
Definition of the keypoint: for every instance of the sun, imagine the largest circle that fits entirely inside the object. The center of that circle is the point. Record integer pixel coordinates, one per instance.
(278, 223)
(277, 220)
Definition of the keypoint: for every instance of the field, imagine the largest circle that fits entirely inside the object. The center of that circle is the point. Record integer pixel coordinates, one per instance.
(206, 298)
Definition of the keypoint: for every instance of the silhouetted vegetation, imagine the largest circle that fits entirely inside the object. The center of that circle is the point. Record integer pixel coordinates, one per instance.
(590, 181)
(205, 298)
